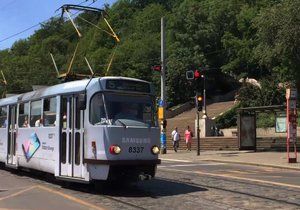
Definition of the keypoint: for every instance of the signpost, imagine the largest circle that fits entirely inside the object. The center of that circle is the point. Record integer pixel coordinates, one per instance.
(291, 122)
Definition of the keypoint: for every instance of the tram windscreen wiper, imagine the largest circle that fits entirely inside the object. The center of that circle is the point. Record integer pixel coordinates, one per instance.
(121, 122)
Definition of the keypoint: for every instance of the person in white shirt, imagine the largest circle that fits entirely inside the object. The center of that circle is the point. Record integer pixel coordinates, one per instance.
(175, 138)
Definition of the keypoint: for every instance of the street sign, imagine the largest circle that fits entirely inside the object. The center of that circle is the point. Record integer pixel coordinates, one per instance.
(160, 103)
(291, 93)
(292, 104)
(291, 112)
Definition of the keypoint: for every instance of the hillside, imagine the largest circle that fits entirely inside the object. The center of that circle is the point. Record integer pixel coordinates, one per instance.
(249, 41)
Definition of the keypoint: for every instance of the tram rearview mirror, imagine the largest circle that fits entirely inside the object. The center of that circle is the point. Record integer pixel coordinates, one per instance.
(82, 101)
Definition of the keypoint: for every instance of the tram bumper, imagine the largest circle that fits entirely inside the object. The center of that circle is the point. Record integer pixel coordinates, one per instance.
(130, 170)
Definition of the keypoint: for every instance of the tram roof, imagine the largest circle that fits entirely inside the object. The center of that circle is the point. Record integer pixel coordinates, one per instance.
(59, 89)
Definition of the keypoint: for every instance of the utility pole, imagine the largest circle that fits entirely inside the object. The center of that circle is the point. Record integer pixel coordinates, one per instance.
(163, 89)
(198, 134)
(204, 96)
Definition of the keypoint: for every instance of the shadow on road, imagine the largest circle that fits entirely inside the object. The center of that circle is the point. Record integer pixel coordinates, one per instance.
(152, 188)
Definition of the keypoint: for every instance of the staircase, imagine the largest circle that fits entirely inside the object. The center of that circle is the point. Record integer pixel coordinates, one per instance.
(209, 143)
(181, 121)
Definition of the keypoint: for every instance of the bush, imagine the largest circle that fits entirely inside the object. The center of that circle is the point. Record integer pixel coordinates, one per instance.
(265, 120)
(228, 119)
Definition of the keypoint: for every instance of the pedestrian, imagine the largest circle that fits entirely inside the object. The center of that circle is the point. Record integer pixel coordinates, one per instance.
(175, 138)
(188, 138)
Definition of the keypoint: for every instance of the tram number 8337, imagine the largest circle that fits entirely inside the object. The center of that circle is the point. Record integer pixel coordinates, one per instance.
(135, 149)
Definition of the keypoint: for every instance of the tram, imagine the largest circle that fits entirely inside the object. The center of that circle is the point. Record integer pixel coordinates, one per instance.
(87, 130)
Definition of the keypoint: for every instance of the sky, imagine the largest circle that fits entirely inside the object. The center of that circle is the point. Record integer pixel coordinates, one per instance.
(18, 15)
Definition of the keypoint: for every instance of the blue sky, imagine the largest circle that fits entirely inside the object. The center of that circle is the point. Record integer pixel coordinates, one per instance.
(18, 15)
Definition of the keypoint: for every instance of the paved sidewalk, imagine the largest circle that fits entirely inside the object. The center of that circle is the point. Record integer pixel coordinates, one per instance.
(271, 159)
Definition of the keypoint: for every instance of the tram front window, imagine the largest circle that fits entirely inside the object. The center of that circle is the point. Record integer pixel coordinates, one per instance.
(128, 110)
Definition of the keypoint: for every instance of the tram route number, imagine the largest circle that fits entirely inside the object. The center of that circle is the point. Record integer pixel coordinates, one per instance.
(135, 149)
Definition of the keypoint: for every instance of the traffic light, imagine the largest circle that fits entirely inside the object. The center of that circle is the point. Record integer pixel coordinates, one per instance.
(189, 75)
(156, 68)
(199, 101)
(197, 74)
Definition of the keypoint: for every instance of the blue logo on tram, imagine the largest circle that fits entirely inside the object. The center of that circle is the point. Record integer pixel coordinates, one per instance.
(31, 146)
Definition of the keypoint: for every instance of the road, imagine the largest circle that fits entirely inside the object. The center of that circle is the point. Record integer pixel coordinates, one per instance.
(179, 185)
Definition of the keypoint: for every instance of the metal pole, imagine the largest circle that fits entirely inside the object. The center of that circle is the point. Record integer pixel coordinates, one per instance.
(198, 135)
(163, 67)
(204, 97)
(163, 85)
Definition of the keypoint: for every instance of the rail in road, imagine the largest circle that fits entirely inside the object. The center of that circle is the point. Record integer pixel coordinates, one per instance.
(179, 184)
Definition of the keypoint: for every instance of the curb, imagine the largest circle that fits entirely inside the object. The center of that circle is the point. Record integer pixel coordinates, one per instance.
(254, 164)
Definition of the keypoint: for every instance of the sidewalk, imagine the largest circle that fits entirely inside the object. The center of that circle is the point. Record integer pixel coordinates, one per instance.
(269, 159)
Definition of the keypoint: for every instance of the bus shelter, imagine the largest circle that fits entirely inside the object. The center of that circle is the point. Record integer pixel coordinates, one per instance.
(247, 124)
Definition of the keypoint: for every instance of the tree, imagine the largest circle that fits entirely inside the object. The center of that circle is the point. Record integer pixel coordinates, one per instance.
(279, 39)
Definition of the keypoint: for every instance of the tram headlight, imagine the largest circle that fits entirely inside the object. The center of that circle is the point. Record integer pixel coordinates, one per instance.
(114, 149)
(155, 150)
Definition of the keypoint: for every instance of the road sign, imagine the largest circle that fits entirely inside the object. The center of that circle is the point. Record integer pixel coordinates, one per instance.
(291, 93)
(291, 111)
(160, 103)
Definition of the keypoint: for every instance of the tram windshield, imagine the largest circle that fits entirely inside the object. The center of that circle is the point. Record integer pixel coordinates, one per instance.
(130, 110)
(122, 109)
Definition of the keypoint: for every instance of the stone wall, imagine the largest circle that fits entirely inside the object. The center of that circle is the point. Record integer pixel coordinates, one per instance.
(178, 110)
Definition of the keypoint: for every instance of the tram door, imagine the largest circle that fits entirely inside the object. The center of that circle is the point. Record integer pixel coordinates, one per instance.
(71, 141)
(11, 144)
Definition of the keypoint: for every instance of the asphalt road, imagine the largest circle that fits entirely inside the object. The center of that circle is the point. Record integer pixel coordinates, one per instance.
(178, 185)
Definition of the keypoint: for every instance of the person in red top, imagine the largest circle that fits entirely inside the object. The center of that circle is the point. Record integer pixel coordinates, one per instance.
(188, 138)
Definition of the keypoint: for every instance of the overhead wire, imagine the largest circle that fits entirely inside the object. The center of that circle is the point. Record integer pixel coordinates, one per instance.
(66, 38)
(27, 29)
(38, 24)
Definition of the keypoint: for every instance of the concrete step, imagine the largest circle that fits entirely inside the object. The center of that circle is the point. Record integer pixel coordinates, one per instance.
(209, 143)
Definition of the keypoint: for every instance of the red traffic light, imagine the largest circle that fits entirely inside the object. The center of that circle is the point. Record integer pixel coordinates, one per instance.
(197, 74)
(156, 68)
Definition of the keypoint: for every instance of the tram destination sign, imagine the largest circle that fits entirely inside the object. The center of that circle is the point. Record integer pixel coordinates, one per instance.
(127, 85)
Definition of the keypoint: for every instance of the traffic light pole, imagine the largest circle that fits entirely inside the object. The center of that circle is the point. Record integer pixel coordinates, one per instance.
(163, 89)
(198, 134)
(204, 97)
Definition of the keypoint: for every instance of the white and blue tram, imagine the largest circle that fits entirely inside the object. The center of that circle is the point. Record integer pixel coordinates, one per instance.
(99, 129)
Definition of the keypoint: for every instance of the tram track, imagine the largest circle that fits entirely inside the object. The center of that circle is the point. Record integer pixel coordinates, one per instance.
(102, 191)
(74, 189)
(127, 196)
(202, 185)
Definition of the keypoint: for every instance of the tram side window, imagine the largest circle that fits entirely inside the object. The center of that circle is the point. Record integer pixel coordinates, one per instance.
(23, 115)
(97, 113)
(36, 119)
(3, 117)
(49, 112)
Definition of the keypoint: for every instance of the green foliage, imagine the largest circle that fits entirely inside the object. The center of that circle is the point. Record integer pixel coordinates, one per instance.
(227, 119)
(267, 94)
(265, 120)
(240, 38)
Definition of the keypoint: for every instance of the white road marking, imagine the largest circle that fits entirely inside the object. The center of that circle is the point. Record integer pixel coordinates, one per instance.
(198, 164)
(176, 160)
